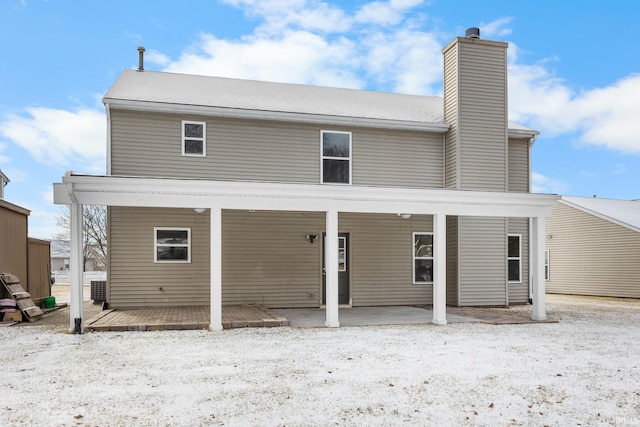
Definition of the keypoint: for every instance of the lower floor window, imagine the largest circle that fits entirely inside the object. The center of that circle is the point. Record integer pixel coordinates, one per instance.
(422, 258)
(514, 258)
(546, 265)
(172, 244)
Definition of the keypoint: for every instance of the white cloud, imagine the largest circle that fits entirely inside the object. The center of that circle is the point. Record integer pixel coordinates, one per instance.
(296, 57)
(308, 15)
(384, 13)
(603, 116)
(154, 57)
(543, 184)
(3, 159)
(312, 42)
(496, 28)
(73, 140)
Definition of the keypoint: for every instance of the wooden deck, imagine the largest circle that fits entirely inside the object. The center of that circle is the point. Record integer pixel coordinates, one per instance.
(182, 318)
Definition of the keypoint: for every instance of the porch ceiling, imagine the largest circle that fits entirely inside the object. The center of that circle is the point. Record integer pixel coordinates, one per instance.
(195, 193)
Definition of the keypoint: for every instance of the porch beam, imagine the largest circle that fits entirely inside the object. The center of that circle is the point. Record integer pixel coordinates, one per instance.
(76, 267)
(537, 259)
(331, 269)
(440, 270)
(215, 239)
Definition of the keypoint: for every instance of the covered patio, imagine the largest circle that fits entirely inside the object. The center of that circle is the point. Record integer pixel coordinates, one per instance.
(216, 196)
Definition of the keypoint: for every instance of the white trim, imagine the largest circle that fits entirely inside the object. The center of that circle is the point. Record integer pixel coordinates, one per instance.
(414, 257)
(215, 269)
(331, 269)
(190, 193)
(440, 270)
(538, 311)
(181, 245)
(323, 157)
(518, 258)
(203, 139)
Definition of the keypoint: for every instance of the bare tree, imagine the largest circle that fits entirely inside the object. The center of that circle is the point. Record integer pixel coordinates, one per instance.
(94, 231)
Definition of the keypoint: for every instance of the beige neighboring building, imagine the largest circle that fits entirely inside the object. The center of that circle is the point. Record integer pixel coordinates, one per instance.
(593, 247)
(225, 191)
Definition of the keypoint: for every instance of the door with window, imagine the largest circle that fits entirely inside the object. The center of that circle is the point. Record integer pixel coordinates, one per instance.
(343, 270)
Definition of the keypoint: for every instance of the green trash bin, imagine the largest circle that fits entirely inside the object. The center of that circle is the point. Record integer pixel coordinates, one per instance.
(49, 302)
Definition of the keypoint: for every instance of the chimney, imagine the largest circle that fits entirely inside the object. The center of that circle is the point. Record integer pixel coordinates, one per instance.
(140, 58)
(475, 100)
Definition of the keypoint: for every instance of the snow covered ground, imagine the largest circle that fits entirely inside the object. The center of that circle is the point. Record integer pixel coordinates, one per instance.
(584, 370)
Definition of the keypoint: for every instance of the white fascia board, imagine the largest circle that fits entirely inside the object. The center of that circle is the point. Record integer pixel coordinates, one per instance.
(189, 193)
(275, 115)
(522, 133)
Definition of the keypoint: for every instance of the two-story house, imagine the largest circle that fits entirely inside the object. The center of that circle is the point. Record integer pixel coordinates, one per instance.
(225, 191)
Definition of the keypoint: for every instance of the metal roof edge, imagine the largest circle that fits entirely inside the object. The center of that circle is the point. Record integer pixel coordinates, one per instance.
(274, 115)
(598, 214)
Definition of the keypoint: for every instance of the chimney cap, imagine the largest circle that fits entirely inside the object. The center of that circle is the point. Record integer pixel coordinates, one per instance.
(472, 33)
(140, 48)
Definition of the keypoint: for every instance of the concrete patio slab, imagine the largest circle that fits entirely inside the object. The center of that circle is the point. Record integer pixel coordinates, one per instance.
(363, 316)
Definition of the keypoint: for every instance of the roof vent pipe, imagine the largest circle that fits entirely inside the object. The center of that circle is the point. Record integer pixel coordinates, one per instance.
(140, 58)
(472, 33)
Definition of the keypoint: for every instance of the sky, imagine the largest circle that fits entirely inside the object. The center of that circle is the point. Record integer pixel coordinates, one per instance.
(573, 71)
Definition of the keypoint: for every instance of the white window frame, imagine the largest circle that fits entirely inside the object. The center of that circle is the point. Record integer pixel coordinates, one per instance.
(323, 157)
(156, 245)
(414, 257)
(204, 138)
(547, 265)
(518, 258)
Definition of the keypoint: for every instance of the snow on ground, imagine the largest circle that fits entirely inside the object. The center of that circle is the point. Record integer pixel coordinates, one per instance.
(584, 370)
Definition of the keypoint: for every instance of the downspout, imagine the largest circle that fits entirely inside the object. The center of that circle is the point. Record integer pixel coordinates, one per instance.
(531, 142)
(108, 110)
(75, 323)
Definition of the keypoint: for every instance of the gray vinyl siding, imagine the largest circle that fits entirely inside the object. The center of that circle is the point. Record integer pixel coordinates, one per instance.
(482, 117)
(149, 144)
(288, 271)
(519, 165)
(267, 260)
(476, 109)
(482, 254)
(135, 279)
(453, 297)
(382, 259)
(451, 117)
(591, 256)
(519, 292)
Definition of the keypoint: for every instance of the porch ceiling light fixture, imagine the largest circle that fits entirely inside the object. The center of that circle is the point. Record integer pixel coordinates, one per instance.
(404, 215)
(199, 210)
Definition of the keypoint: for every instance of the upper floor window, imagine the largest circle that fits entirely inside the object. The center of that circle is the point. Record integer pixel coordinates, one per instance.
(172, 244)
(514, 258)
(336, 157)
(422, 258)
(194, 142)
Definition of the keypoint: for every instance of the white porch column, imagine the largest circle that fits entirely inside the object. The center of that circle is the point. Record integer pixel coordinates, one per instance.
(537, 261)
(215, 268)
(440, 269)
(331, 269)
(76, 267)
